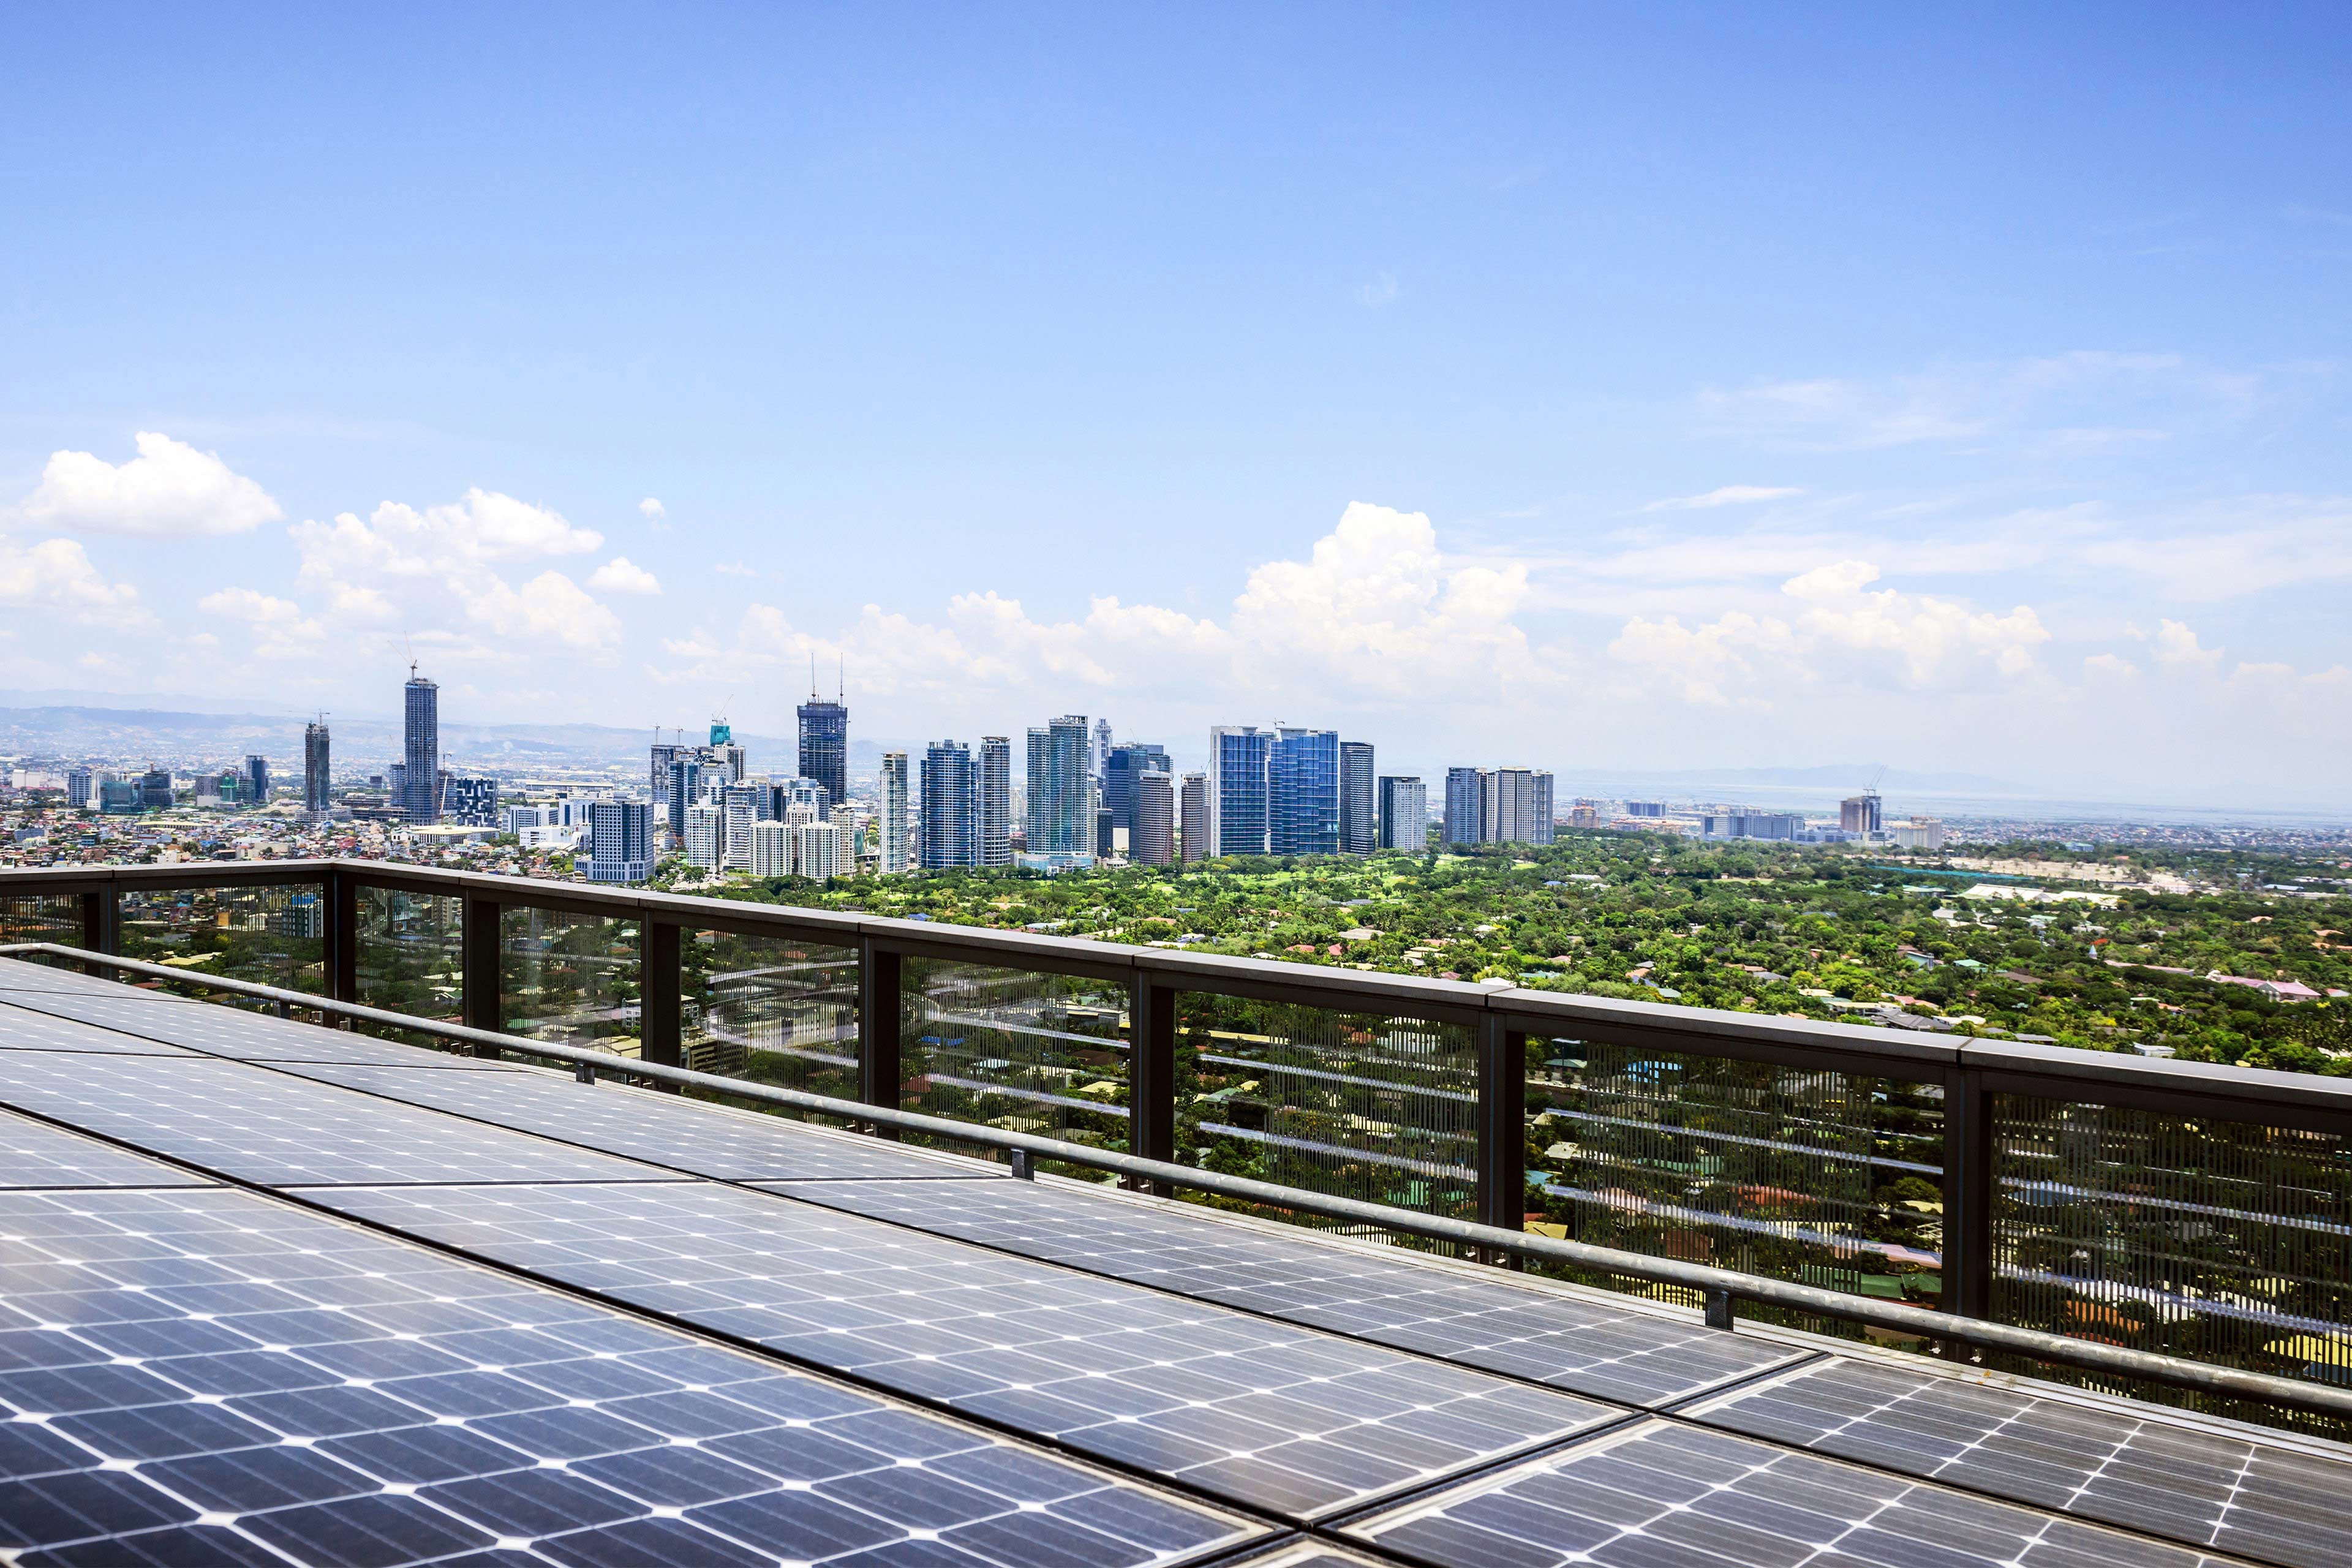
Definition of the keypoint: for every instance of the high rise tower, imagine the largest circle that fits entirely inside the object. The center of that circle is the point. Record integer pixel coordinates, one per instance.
(897, 851)
(950, 823)
(421, 749)
(825, 743)
(1358, 827)
(1061, 795)
(995, 805)
(1239, 822)
(314, 766)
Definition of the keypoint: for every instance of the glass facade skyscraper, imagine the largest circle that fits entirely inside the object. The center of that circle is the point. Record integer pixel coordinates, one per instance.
(1358, 828)
(1465, 806)
(1128, 764)
(1061, 795)
(1404, 813)
(898, 853)
(315, 781)
(1238, 784)
(1303, 785)
(825, 747)
(995, 805)
(420, 790)
(951, 831)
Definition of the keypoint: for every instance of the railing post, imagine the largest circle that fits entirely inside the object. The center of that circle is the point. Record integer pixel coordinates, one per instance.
(101, 923)
(879, 1003)
(478, 940)
(658, 992)
(1502, 1128)
(340, 944)
(1967, 1194)
(1151, 1074)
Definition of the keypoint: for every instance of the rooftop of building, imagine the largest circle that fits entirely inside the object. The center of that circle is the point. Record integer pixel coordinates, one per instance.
(274, 1292)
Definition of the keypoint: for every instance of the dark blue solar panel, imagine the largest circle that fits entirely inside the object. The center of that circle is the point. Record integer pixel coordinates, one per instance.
(35, 1154)
(237, 1033)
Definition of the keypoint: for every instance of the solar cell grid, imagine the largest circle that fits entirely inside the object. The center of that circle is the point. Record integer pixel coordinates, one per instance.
(685, 1135)
(203, 1376)
(257, 1125)
(236, 1033)
(24, 974)
(1611, 1353)
(35, 1154)
(2163, 1477)
(1280, 1417)
(1661, 1494)
(23, 1029)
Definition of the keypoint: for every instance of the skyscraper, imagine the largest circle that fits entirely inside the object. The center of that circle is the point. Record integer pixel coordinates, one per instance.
(620, 841)
(1192, 814)
(1404, 813)
(1151, 840)
(685, 790)
(1359, 827)
(1465, 806)
(1061, 796)
(995, 805)
(1541, 808)
(1128, 764)
(816, 850)
(79, 788)
(772, 849)
(470, 802)
(1304, 780)
(950, 824)
(732, 760)
(663, 753)
(896, 849)
(824, 744)
(745, 806)
(1238, 819)
(315, 773)
(155, 789)
(1100, 764)
(706, 836)
(1861, 813)
(421, 749)
(255, 777)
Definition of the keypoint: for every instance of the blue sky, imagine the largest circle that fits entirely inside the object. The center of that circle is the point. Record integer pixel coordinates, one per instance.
(1356, 366)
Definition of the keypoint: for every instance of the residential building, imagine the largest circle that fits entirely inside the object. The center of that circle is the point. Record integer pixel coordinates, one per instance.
(80, 788)
(950, 824)
(1584, 814)
(620, 841)
(1303, 781)
(685, 791)
(772, 849)
(1918, 832)
(121, 797)
(420, 798)
(784, 795)
(1861, 813)
(1240, 822)
(317, 779)
(850, 834)
(1646, 808)
(1751, 824)
(898, 852)
(744, 805)
(663, 753)
(1404, 813)
(255, 778)
(994, 806)
(1358, 801)
(706, 836)
(1193, 817)
(824, 746)
(1127, 764)
(1465, 806)
(155, 789)
(1151, 840)
(816, 850)
(1061, 794)
(1516, 806)
(468, 802)
(1099, 762)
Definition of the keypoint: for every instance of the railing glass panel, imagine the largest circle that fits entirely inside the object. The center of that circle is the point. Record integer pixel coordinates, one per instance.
(1033, 1053)
(1370, 1105)
(409, 957)
(771, 1009)
(41, 917)
(272, 935)
(2217, 1241)
(1821, 1177)
(571, 978)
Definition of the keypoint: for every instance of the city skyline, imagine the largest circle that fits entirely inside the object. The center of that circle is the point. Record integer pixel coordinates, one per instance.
(1551, 403)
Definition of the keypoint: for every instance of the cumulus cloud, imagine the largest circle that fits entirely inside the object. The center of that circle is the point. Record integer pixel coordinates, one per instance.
(622, 575)
(1930, 636)
(1727, 495)
(2175, 648)
(276, 629)
(1377, 291)
(57, 575)
(170, 490)
(439, 567)
(250, 606)
(651, 506)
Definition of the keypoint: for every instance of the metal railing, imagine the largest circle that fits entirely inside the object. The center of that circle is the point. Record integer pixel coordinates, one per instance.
(2016, 1213)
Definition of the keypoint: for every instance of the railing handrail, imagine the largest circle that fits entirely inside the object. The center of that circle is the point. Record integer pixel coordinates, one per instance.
(1855, 1046)
(1719, 1286)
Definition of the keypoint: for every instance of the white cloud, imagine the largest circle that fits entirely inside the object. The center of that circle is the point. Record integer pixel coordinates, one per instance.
(1379, 289)
(168, 491)
(57, 574)
(1729, 495)
(735, 569)
(2175, 648)
(651, 506)
(1930, 636)
(277, 630)
(550, 609)
(622, 575)
(250, 606)
(2110, 666)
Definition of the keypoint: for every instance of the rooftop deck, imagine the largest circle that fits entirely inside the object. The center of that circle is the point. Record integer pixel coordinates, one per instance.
(272, 1292)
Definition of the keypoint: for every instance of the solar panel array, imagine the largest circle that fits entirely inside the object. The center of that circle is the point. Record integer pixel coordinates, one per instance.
(664, 1129)
(1609, 1350)
(193, 1373)
(1287, 1419)
(2204, 1486)
(24, 974)
(211, 1377)
(1661, 1494)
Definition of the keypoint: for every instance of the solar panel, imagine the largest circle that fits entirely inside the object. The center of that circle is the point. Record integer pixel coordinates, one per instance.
(21, 1030)
(1661, 1494)
(2159, 1475)
(1283, 1418)
(35, 1154)
(667, 1130)
(1611, 1352)
(211, 1377)
(22, 974)
(257, 1125)
(230, 1032)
